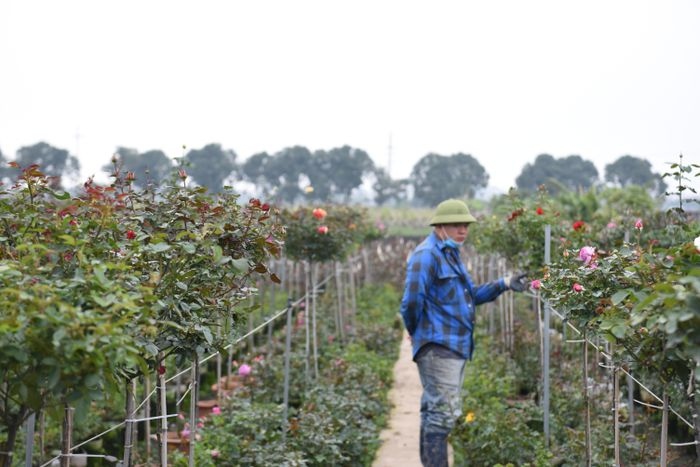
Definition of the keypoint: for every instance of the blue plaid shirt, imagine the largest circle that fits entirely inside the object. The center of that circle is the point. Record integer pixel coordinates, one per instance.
(439, 298)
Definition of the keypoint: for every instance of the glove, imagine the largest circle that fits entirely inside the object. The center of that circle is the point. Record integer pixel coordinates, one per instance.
(516, 282)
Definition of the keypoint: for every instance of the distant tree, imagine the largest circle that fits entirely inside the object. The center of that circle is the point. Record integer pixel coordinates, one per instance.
(386, 189)
(336, 173)
(52, 161)
(348, 169)
(566, 173)
(630, 170)
(210, 166)
(288, 169)
(319, 172)
(257, 170)
(436, 178)
(148, 167)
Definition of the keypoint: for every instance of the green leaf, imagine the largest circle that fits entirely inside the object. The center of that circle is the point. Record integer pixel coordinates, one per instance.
(104, 302)
(68, 239)
(619, 296)
(99, 272)
(218, 253)
(619, 331)
(62, 196)
(159, 247)
(240, 265)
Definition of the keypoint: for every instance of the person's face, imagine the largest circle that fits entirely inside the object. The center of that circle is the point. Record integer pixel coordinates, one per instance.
(457, 232)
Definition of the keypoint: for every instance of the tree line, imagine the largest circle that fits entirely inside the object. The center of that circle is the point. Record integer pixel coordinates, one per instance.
(296, 174)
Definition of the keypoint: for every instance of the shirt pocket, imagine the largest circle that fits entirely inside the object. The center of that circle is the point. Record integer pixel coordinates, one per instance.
(448, 288)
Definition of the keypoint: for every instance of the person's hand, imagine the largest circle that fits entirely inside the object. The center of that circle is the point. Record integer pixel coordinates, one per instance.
(516, 282)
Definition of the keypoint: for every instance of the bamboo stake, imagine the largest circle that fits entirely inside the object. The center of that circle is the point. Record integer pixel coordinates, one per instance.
(616, 407)
(307, 306)
(664, 428)
(194, 396)
(339, 301)
(129, 425)
(587, 402)
(163, 412)
(287, 352)
(314, 271)
(353, 295)
(147, 416)
(630, 401)
(546, 352)
(68, 436)
(29, 440)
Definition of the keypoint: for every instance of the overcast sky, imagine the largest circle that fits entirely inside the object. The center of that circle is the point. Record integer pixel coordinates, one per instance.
(503, 81)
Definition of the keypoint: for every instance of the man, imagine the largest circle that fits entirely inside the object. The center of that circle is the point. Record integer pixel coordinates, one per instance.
(438, 312)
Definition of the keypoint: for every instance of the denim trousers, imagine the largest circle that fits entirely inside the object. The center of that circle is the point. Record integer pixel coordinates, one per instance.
(442, 377)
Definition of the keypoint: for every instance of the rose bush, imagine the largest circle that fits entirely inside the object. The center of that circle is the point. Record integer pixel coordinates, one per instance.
(96, 287)
(328, 233)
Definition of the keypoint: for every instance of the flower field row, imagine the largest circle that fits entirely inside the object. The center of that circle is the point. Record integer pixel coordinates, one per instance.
(629, 276)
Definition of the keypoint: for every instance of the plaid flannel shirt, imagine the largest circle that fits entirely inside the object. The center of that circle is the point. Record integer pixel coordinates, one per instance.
(439, 298)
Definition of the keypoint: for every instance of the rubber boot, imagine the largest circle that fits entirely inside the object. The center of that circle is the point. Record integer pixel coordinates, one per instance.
(422, 444)
(433, 450)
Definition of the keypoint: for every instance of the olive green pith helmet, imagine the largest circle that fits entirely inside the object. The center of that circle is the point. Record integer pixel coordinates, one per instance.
(452, 211)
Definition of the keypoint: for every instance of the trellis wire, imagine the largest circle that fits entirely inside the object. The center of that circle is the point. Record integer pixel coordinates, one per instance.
(608, 357)
(132, 420)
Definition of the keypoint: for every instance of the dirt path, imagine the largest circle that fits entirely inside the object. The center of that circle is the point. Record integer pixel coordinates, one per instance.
(400, 438)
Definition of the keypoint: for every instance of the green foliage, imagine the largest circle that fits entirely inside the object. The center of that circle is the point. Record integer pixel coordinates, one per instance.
(335, 421)
(646, 301)
(680, 173)
(96, 286)
(497, 427)
(515, 230)
(326, 233)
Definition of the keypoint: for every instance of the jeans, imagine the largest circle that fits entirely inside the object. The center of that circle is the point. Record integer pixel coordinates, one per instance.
(441, 374)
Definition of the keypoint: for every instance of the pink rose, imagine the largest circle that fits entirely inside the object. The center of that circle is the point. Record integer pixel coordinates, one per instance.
(577, 287)
(639, 225)
(586, 254)
(216, 410)
(244, 370)
(536, 284)
(319, 213)
(323, 230)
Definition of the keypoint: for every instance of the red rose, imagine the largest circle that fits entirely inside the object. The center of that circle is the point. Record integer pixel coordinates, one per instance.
(539, 211)
(130, 234)
(319, 213)
(579, 225)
